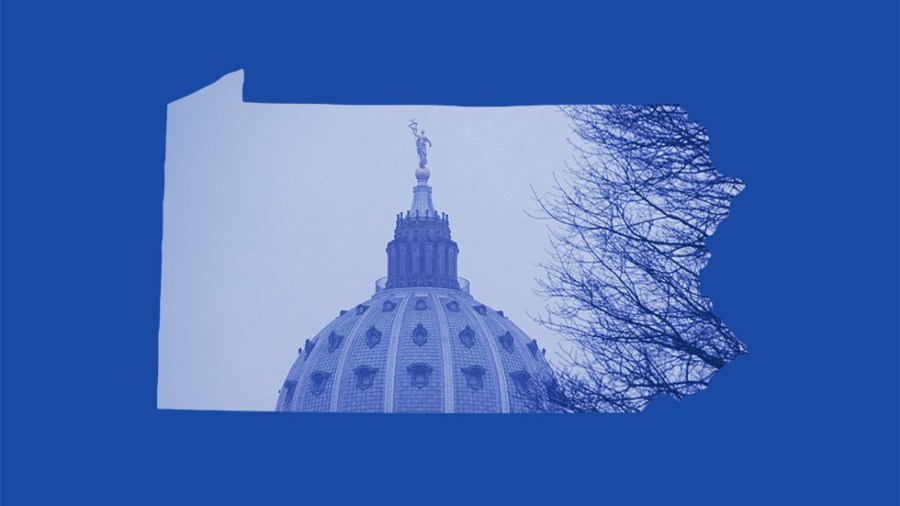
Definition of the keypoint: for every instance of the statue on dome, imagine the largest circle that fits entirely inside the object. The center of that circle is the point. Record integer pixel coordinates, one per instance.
(421, 142)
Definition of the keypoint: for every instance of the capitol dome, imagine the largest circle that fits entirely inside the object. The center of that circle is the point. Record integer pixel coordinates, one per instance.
(421, 343)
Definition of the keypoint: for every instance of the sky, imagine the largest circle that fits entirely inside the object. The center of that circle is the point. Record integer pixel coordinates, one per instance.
(276, 217)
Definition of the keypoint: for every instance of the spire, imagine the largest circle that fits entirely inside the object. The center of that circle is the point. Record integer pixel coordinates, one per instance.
(421, 204)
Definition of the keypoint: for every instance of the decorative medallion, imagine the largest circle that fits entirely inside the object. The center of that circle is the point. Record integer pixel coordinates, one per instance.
(467, 337)
(474, 377)
(480, 309)
(419, 374)
(361, 308)
(388, 306)
(373, 337)
(334, 341)
(507, 341)
(365, 376)
(420, 335)
(453, 306)
(421, 305)
(521, 379)
(319, 378)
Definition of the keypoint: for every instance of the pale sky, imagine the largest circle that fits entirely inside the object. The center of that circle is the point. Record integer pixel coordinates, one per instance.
(276, 217)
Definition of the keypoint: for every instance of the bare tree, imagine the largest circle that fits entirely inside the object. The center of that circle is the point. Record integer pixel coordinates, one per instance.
(630, 220)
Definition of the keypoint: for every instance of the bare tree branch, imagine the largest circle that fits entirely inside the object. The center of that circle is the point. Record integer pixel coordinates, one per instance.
(627, 242)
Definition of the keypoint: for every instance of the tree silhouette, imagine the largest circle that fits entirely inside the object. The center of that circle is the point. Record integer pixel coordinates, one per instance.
(628, 227)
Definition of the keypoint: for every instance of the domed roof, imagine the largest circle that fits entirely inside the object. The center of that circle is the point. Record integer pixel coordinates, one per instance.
(419, 349)
(421, 344)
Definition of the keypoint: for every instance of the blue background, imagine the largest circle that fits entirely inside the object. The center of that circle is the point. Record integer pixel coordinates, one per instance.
(801, 103)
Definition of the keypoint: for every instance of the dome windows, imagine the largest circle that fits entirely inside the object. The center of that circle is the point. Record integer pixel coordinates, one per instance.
(308, 347)
(373, 337)
(467, 337)
(481, 309)
(319, 379)
(388, 306)
(555, 393)
(420, 335)
(365, 376)
(521, 379)
(453, 306)
(334, 341)
(288, 391)
(421, 305)
(419, 374)
(533, 348)
(474, 377)
(507, 342)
